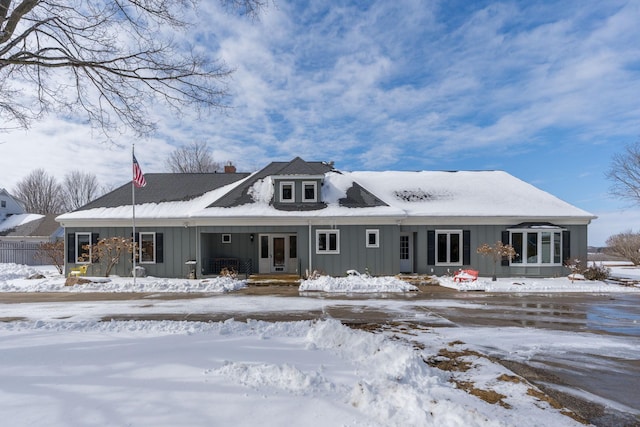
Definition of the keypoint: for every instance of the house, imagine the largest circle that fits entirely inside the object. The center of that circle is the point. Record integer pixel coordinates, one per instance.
(31, 228)
(18, 225)
(21, 232)
(299, 216)
(9, 205)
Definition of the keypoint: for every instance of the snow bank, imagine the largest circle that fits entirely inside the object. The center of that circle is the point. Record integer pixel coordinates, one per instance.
(15, 278)
(356, 283)
(233, 373)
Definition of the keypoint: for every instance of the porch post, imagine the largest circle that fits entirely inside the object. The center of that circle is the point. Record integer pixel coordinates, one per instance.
(310, 250)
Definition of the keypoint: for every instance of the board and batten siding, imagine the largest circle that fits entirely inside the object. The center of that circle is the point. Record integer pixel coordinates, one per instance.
(178, 246)
(354, 255)
(490, 234)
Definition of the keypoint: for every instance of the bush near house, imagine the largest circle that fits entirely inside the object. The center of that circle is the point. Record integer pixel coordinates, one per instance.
(109, 251)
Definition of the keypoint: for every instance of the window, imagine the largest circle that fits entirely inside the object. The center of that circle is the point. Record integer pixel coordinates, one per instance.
(147, 248)
(3, 203)
(226, 238)
(286, 192)
(264, 247)
(293, 246)
(404, 246)
(327, 241)
(449, 247)
(83, 248)
(309, 191)
(537, 247)
(373, 239)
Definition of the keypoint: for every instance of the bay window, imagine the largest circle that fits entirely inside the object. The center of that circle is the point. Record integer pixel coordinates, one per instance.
(537, 247)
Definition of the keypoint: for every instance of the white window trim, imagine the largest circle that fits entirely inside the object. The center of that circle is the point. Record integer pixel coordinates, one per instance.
(328, 232)
(293, 191)
(226, 238)
(77, 255)
(140, 261)
(375, 232)
(539, 232)
(449, 233)
(315, 191)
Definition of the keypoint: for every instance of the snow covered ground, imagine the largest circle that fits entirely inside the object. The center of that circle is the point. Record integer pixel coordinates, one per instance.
(61, 366)
(556, 284)
(16, 278)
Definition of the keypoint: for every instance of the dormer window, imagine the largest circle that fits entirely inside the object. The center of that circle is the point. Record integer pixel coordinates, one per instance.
(309, 191)
(286, 192)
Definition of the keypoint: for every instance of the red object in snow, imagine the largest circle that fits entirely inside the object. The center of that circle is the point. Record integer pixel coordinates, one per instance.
(466, 276)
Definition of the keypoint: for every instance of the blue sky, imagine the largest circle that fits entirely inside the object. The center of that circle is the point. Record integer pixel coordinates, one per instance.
(546, 91)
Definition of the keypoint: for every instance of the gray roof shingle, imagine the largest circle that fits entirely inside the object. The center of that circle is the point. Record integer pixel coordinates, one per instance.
(166, 187)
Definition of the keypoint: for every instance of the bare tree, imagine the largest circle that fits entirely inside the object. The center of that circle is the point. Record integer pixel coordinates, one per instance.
(625, 245)
(108, 59)
(40, 193)
(624, 171)
(78, 189)
(52, 252)
(194, 158)
(497, 252)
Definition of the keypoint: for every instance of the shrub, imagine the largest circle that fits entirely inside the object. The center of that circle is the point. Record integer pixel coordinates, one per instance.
(596, 272)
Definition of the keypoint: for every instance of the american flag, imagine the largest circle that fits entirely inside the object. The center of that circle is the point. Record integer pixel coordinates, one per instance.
(138, 177)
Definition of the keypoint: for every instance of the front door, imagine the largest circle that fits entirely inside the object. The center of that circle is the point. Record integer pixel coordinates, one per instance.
(406, 253)
(278, 253)
(279, 256)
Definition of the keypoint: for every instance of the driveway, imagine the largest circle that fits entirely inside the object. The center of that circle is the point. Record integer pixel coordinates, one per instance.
(584, 380)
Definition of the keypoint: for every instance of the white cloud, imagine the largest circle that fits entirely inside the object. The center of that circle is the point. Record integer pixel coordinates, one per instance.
(392, 85)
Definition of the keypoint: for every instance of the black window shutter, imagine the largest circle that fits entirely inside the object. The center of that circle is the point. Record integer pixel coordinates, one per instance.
(159, 248)
(505, 241)
(466, 247)
(431, 247)
(566, 245)
(71, 248)
(94, 240)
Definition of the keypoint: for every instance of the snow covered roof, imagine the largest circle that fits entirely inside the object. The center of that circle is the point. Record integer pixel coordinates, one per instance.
(20, 220)
(464, 193)
(388, 194)
(245, 194)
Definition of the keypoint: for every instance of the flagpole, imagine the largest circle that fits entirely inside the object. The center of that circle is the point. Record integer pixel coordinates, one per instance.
(133, 211)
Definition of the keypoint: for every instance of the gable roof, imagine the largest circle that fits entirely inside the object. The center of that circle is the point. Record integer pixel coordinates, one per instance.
(13, 206)
(240, 195)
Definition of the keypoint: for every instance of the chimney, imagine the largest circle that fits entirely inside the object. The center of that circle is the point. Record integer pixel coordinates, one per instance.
(229, 168)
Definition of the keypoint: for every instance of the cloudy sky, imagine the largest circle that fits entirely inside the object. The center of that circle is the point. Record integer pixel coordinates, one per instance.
(548, 92)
